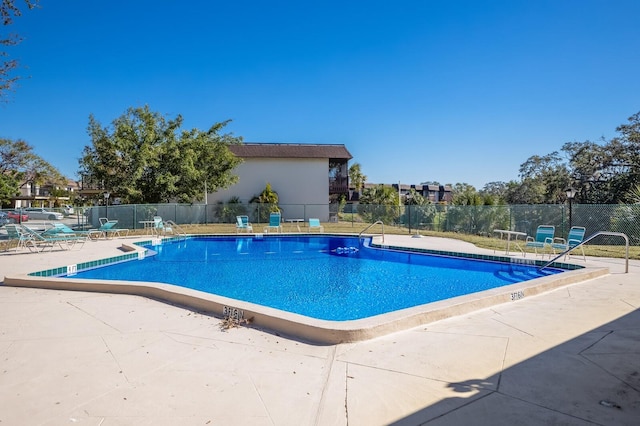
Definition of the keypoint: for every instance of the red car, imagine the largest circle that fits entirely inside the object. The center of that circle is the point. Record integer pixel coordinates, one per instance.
(15, 216)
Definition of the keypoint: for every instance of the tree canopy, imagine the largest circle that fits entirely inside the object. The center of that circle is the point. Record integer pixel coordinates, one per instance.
(19, 166)
(8, 11)
(145, 158)
(604, 172)
(607, 172)
(356, 177)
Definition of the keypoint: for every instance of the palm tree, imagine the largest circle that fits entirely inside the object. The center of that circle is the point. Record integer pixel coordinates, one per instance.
(356, 177)
(380, 203)
(633, 195)
(269, 197)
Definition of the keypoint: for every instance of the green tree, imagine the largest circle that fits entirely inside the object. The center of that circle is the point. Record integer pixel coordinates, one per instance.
(145, 158)
(605, 172)
(549, 175)
(418, 211)
(475, 212)
(356, 177)
(497, 191)
(20, 167)
(602, 172)
(228, 211)
(626, 218)
(591, 171)
(9, 11)
(267, 202)
(543, 181)
(526, 191)
(466, 195)
(380, 203)
(633, 195)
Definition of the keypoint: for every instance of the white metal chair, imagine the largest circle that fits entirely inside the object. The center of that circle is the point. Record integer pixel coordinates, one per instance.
(242, 223)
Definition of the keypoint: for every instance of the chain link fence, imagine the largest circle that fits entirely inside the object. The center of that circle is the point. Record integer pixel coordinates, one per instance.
(474, 220)
(483, 220)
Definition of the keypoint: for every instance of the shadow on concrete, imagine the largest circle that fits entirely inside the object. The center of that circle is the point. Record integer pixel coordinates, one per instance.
(591, 379)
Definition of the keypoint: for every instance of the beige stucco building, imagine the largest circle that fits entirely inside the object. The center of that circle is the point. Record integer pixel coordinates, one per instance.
(305, 176)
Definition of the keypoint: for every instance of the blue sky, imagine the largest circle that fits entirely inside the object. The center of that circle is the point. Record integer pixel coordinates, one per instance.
(447, 91)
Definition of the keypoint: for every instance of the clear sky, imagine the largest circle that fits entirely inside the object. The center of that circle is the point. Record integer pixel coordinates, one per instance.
(449, 91)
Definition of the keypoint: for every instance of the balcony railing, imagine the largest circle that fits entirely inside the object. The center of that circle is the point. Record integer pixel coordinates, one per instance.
(338, 188)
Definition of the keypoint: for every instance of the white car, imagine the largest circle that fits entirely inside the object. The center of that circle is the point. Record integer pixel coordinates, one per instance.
(67, 209)
(42, 214)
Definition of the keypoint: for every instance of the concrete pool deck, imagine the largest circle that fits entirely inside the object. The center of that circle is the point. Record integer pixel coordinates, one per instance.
(569, 356)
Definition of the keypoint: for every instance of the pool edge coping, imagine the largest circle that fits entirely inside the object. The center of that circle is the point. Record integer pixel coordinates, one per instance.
(301, 327)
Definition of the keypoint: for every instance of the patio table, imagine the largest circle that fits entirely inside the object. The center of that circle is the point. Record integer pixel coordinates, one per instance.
(509, 235)
(296, 221)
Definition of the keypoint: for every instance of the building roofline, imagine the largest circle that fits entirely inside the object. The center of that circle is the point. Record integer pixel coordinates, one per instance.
(290, 150)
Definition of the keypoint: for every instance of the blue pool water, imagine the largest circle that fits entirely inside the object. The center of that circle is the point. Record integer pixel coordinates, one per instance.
(332, 278)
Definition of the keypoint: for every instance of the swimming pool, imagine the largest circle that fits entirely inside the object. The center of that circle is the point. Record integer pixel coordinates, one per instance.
(328, 278)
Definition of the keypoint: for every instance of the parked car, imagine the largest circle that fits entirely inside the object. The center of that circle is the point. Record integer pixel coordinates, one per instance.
(14, 217)
(67, 210)
(43, 214)
(4, 219)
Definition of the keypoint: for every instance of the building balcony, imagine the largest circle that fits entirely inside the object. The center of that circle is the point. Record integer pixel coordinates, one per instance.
(338, 188)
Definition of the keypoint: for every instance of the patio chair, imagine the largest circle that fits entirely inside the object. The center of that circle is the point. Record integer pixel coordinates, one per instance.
(172, 228)
(158, 225)
(542, 240)
(164, 227)
(65, 242)
(242, 222)
(22, 239)
(274, 222)
(61, 229)
(575, 237)
(108, 229)
(315, 224)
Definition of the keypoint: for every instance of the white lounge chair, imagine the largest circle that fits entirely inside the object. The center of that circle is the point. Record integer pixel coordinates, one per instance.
(242, 223)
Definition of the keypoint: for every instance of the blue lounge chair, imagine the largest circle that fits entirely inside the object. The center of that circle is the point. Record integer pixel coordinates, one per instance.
(108, 229)
(242, 223)
(61, 229)
(65, 242)
(575, 237)
(21, 238)
(315, 224)
(274, 222)
(542, 240)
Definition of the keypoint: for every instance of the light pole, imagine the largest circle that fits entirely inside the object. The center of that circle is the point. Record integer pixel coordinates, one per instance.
(106, 203)
(571, 194)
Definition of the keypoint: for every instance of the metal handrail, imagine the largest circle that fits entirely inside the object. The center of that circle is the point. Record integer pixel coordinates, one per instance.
(375, 223)
(175, 226)
(597, 234)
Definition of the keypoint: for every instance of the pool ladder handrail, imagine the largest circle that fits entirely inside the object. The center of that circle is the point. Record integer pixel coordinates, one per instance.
(374, 223)
(171, 224)
(597, 234)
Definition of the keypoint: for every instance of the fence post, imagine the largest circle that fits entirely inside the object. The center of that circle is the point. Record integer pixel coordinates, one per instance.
(512, 226)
